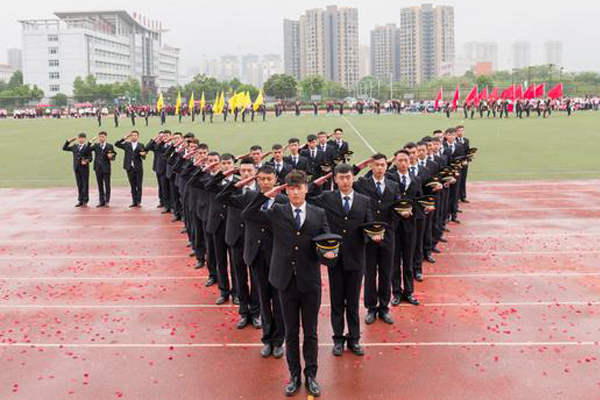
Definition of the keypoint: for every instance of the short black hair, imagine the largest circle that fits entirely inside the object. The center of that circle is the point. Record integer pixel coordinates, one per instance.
(189, 135)
(338, 130)
(213, 154)
(401, 152)
(410, 145)
(437, 131)
(276, 146)
(134, 131)
(227, 156)
(203, 146)
(343, 169)
(255, 148)
(247, 160)
(82, 135)
(102, 133)
(296, 178)
(267, 169)
(378, 156)
(177, 134)
(293, 140)
(167, 131)
(322, 133)
(311, 137)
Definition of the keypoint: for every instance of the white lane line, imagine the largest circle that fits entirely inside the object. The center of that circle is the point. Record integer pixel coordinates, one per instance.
(193, 278)
(254, 344)
(86, 257)
(360, 136)
(232, 306)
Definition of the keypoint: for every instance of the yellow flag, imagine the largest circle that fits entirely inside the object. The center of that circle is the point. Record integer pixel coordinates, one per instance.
(202, 102)
(191, 105)
(233, 103)
(222, 102)
(247, 100)
(216, 104)
(160, 102)
(178, 104)
(258, 102)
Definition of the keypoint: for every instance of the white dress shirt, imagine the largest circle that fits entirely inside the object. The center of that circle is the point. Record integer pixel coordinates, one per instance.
(351, 195)
(382, 182)
(302, 214)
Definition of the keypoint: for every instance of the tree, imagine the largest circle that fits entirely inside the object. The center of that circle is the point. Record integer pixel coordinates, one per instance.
(16, 80)
(60, 100)
(312, 85)
(483, 81)
(281, 86)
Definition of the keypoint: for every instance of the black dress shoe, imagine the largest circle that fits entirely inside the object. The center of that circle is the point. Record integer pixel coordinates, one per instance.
(175, 219)
(256, 323)
(312, 386)
(165, 211)
(459, 211)
(443, 240)
(396, 301)
(79, 204)
(160, 205)
(132, 205)
(192, 254)
(266, 350)
(464, 201)
(107, 204)
(338, 349)
(199, 264)
(455, 220)
(386, 317)
(419, 277)
(242, 323)
(210, 282)
(446, 229)
(356, 349)
(100, 205)
(293, 387)
(409, 298)
(370, 318)
(184, 230)
(277, 351)
(430, 259)
(436, 250)
(222, 299)
(236, 300)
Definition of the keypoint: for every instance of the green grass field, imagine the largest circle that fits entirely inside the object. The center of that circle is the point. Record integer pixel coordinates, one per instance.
(555, 148)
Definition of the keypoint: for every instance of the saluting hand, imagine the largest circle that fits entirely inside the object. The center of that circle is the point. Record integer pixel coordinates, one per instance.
(275, 191)
(364, 163)
(231, 171)
(244, 182)
(323, 179)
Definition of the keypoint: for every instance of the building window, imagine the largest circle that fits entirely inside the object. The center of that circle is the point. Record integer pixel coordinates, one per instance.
(55, 88)
(53, 63)
(53, 38)
(52, 50)
(54, 75)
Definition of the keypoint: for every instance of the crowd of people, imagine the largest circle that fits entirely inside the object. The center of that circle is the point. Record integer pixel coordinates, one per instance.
(264, 223)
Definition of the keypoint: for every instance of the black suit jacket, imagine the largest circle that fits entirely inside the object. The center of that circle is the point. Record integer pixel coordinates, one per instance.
(329, 153)
(132, 159)
(381, 204)
(159, 165)
(338, 149)
(352, 251)
(285, 169)
(102, 163)
(79, 156)
(302, 164)
(412, 192)
(314, 164)
(257, 235)
(294, 252)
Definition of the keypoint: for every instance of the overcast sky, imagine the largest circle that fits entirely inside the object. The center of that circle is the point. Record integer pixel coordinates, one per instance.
(212, 28)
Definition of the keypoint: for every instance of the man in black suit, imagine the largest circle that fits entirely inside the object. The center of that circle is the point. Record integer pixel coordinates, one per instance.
(347, 211)
(133, 163)
(338, 145)
(104, 155)
(454, 150)
(405, 240)
(258, 249)
(295, 160)
(313, 155)
(281, 167)
(116, 115)
(430, 161)
(383, 193)
(462, 140)
(82, 157)
(170, 159)
(159, 166)
(295, 272)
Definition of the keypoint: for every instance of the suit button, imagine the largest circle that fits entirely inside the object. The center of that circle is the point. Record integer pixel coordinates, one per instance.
(293, 262)
(344, 231)
(241, 225)
(262, 230)
(378, 212)
(379, 201)
(345, 218)
(296, 248)
(297, 233)
(258, 241)
(224, 206)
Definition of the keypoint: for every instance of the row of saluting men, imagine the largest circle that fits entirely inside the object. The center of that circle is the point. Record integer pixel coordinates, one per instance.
(382, 226)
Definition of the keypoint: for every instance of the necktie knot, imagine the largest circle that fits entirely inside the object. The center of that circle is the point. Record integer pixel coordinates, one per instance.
(379, 188)
(298, 218)
(265, 205)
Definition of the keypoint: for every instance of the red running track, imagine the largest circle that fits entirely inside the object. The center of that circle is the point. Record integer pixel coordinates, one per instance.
(105, 304)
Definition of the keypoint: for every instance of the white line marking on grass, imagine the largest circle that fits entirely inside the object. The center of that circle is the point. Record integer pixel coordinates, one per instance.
(255, 344)
(360, 136)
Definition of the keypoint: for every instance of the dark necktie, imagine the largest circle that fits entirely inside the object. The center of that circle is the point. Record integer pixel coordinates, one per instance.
(379, 188)
(265, 205)
(278, 168)
(412, 170)
(295, 160)
(403, 182)
(297, 219)
(347, 204)
(423, 163)
(312, 154)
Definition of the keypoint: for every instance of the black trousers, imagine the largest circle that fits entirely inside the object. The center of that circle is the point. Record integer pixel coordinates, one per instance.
(248, 295)
(428, 240)
(174, 199)
(420, 237)
(163, 189)
(378, 275)
(273, 327)
(463, 182)
(136, 177)
(82, 178)
(226, 286)
(403, 258)
(344, 292)
(198, 238)
(305, 306)
(103, 181)
(210, 253)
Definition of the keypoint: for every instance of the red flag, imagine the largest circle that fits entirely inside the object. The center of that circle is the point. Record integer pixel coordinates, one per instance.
(556, 92)
(472, 97)
(456, 98)
(508, 93)
(529, 93)
(494, 95)
(439, 97)
(540, 90)
(519, 92)
(483, 96)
